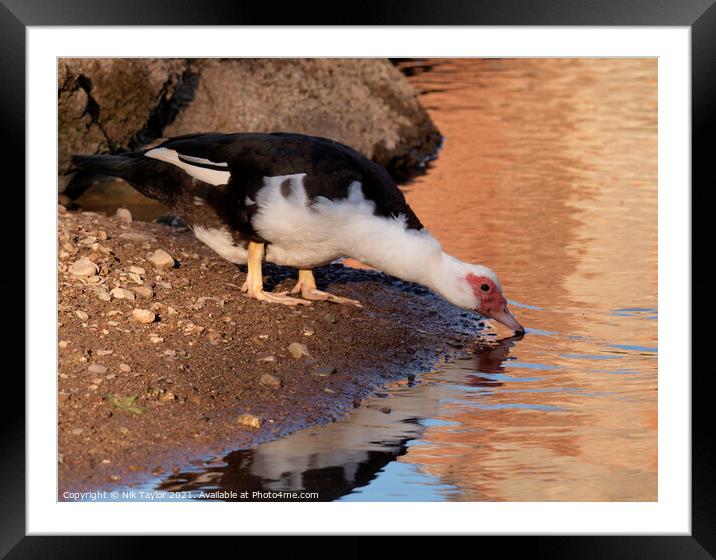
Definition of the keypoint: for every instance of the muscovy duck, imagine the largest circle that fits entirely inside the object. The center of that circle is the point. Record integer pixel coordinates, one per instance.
(299, 201)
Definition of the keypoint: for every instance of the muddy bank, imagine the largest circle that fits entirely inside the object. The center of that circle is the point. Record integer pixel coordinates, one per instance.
(159, 366)
(113, 105)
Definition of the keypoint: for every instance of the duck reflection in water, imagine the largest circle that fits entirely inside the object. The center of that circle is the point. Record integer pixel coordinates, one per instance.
(335, 459)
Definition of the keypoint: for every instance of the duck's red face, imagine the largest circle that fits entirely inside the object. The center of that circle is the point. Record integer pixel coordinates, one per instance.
(491, 302)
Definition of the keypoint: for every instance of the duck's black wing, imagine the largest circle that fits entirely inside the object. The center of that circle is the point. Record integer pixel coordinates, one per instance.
(330, 167)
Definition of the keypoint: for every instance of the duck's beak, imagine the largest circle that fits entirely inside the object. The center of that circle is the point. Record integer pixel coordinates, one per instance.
(506, 318)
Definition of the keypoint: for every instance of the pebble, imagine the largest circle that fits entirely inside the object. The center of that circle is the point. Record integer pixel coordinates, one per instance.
(161, 260)
(97, 380)
(250, 421)
(102, 294)
(270, 381)
(143, 316)
(104, 352)
(63, 344)
(154, 339)
(122, 293)
(124, 215)
(84, 267)
(324, 371)
(110, 376)
(297, 350)
(125, 368)
(136, 236)
(214, 336)
(82, 315)
(97, 368)
(77, 431)
(102, 235)
(137, 270)
(308, 332)
(270, 358)
(143, 292)
(330, 318)
(136, 278)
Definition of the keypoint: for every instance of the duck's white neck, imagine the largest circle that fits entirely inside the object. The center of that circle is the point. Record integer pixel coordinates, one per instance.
(415, 256)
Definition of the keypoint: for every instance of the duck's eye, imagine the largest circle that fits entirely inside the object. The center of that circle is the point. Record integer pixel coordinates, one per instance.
(485, 288)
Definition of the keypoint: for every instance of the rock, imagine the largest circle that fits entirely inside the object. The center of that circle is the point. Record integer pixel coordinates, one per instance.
(102, 294)
(63, 344)
(102, 235)
(137, 270)
(161, 260)
(125, 368)
(330, 318)
(270, 358)
(270, 381)
(214, 336)
(324, 371)
(143, 316)
(84, 267)
(124, 215)
(104, 352)
(82, 315)
(250, 421)
(155, 339)
(308, 332)
(97, 368)
(298, 350)
(122, 293)
(143, 292)
(136, 236)
(136, 278)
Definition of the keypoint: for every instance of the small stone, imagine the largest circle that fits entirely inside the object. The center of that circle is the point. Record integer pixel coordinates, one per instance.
(154, 339)
(77, 431)
(136, 278)
(122, 293)
(386, 410)
(143, 316)
(144, 292)
(136, 236)
(137, 270)
(82, 315)
(324, 371)
(84, 267)
(168, 396)
(63, 344)
(270, 381)
(263, 336)
(125, 368)
(308, 332)
(161, 260)
(250, 421)
(102, 294)
(213, 336)
(297, 350)
(270, 358)
(124, 215)
(104, 352)
(98, 369)
(102, 235)
(97, 380)
(330, 318)
(110, 376)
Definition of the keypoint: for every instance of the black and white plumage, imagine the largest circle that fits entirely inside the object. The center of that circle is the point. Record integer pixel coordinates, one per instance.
(304, 200)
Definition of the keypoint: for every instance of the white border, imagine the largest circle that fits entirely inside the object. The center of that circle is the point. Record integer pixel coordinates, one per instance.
(671, 514)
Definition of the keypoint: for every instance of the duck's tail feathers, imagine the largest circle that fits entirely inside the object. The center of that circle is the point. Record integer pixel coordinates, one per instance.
(89, 170)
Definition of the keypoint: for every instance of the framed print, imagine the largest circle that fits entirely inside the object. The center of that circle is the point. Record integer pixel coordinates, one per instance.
(428, 273)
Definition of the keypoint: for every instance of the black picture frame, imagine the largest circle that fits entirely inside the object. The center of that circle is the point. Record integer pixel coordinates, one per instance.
(16, 15)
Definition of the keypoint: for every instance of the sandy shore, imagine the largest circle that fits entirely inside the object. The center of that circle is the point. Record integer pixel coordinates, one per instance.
(211, 370)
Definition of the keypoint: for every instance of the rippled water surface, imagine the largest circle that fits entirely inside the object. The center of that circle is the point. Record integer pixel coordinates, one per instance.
(548, 175)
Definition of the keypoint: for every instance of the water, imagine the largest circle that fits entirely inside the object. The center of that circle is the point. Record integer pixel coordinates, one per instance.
(549, 176)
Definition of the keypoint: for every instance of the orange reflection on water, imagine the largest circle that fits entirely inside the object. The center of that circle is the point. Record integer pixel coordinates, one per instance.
(549, 176)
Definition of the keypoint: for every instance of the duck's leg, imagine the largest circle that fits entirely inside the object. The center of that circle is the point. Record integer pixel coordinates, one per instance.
(254, 285)
(306, 285)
